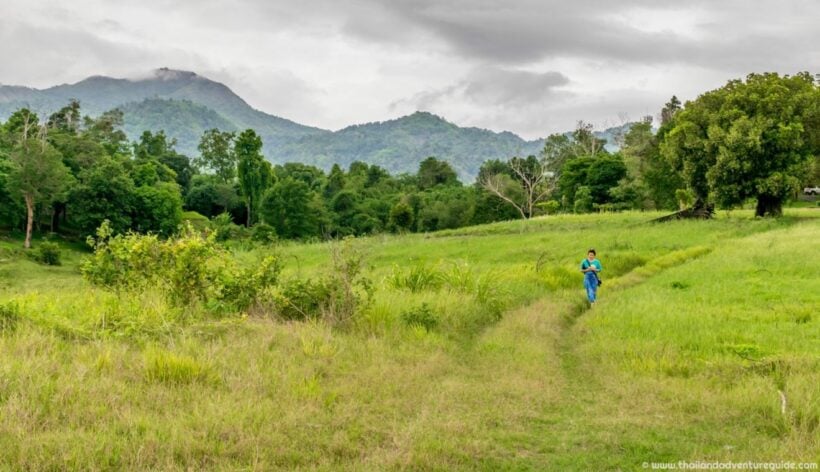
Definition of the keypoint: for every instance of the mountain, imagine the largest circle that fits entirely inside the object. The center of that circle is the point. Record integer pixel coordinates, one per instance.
(185, 104)
(400, 145)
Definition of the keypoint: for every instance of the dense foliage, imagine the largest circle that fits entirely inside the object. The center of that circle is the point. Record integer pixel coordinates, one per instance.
(67, 174)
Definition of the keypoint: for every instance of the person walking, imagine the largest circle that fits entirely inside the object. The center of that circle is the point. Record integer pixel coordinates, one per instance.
(590, 267)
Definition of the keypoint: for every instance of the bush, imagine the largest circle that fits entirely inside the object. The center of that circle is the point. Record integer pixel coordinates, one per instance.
(263, 233)
(9, 317)
(422, 316)
(550, 207)
(198, 221)
(186, 269)
(301, 299)
(47, 253)
(336, 298)
(225, 228)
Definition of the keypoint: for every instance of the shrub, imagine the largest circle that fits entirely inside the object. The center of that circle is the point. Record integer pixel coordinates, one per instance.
(263, 233)
(348, 288)
(198, 221)
(240, 289)
(421, 315)
(337, 297)
(186, 269)
(225, 228)
(9, 317)
(47, 253)
(301, 299)
(550, 207)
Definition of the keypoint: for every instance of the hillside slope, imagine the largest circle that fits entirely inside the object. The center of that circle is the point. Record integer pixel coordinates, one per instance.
(185, 104)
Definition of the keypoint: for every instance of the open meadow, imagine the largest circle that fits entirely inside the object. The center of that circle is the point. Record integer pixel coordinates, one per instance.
(473, 348)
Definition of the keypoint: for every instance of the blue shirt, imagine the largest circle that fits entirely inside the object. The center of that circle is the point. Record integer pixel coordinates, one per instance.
(585, 264)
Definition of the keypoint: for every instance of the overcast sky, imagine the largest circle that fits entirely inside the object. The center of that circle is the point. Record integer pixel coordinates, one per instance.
(531, 67)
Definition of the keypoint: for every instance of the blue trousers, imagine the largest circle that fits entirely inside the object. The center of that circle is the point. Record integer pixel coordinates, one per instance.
(591, 286)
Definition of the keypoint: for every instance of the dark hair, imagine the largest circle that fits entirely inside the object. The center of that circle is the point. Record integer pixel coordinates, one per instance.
(592, 251)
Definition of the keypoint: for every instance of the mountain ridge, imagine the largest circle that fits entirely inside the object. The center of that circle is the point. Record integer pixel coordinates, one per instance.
(184, 103)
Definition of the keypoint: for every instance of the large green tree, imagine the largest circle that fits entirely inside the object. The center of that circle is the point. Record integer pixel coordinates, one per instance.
(292, 208)
(433, 172)
(37, 173)
(748, 139)
(104, 192)
(216, 153)
(253, 170)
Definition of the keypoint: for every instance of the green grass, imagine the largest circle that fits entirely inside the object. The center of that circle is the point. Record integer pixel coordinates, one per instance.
(477, 351)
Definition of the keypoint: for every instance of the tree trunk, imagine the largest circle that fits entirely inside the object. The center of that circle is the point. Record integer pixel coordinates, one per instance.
(248, 223)
(768, 205)
(701, 210)
(29, 219)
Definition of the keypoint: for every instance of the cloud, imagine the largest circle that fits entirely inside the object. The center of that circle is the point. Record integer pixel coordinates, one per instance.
(492, 86)
(529, 66)
(733, 34)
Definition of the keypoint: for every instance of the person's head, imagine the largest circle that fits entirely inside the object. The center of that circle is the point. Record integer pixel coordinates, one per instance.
(591, 254)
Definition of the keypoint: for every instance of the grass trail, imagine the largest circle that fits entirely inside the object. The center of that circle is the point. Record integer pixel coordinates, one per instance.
(564, 408)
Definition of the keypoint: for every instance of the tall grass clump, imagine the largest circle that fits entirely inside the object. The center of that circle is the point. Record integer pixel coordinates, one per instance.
(174, 369)
(9, 317)
(417, 278)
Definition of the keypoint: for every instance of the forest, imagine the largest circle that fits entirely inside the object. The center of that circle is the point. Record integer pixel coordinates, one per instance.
(68, 173)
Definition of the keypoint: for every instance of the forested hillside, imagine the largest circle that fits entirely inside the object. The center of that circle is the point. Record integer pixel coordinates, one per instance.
(184, 104)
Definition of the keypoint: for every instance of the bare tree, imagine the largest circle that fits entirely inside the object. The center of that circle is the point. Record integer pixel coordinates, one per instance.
(586, 143)
(38, 173)
(534, 178)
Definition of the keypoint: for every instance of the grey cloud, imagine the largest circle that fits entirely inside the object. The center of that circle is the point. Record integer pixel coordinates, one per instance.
(38, 53)
(528, 31)
(492, 86)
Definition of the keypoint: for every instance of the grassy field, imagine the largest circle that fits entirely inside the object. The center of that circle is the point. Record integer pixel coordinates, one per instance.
(477, 351)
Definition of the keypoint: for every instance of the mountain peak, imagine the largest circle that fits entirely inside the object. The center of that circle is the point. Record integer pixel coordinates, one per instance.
(164, 73)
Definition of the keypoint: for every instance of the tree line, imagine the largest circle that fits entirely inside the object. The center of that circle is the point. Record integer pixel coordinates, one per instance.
(753, 139)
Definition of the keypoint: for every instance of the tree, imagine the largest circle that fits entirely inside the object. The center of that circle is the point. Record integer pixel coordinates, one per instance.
(433, 172)
(558, 149)
(210, 196)
(106, 131)
(585, 142)
(604, 174)
(747, 139)
(37, 174)
(104, 192)
(335, 181)
(401, 216)
(669, 110)
(157, 208)
(583, 200)
(291, 207)
(534, 179)
(253, 171)
(573, 176)
(216, 153)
